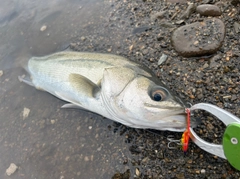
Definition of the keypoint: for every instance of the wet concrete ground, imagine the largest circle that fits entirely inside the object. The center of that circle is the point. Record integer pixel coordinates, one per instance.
(50, 142)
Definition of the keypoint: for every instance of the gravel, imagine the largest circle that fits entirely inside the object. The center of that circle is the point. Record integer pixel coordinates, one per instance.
(143, 35)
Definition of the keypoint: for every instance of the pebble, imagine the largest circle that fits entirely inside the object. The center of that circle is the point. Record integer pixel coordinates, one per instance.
(1, 73)
(162, 59)
(179, 22)
(167, 25)
(236, 27)
(43, 28)
(199, 38)
(203, 171)
(86, 159)
(11, 169)
(190, 9)
(83, 38)
(213, 63)
(26, 112)
(208, 10)
(156, 15)
(137, 172)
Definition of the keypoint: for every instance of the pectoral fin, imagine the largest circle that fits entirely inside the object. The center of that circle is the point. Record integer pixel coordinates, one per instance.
(83, 85)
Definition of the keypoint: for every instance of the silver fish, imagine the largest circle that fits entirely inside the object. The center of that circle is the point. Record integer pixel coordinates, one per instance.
(111, 86)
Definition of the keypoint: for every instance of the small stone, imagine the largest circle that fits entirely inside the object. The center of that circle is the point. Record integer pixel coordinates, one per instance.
(86, 159)
(213, 63)
(90, 127)
(190, 161)
(67, 158)
(190, 9)
(26, 112)
(205, 65)
(203, 171)
(199, 38)
(43, 28)
(83, 38)
(234, 97)
(179, 22)
(137, 172)
(145, 51)
(1, 73)
(154, 16)
(208, 10)
(236, 27)
(52, 121)
(11, 169)
(167, 25)
(131, 47)
(162, 59)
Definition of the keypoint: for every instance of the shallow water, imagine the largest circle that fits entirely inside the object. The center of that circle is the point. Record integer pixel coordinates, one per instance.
(49, 142)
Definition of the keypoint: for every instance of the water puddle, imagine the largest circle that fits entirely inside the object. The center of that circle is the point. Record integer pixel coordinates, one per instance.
(41, 139)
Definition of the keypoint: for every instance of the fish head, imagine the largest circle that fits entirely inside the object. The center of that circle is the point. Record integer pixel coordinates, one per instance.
(140, 102)
(153, 105)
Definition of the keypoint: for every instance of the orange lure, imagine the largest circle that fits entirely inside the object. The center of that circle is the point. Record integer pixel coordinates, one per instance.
(186, 134)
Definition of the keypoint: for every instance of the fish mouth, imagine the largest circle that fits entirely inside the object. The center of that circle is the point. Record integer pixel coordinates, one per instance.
(178, 123)
(177, 107)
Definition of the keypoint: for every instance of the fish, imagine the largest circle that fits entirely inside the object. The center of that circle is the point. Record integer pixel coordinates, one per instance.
(109, 85)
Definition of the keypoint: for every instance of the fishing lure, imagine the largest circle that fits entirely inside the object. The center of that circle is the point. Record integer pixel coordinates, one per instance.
(183, 142)
(186, 134)
(230, 147)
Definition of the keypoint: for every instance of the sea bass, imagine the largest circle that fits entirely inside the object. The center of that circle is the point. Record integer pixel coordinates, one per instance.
(111, 86)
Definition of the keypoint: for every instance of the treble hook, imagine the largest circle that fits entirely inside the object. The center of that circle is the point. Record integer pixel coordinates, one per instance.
(171, 140)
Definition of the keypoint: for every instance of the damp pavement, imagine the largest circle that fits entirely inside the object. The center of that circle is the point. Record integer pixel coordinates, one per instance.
(39, 140)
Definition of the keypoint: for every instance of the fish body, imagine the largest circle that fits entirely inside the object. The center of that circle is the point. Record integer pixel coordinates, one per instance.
(111, 86)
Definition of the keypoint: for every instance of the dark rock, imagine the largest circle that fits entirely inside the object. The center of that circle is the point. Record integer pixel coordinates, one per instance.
(208, 10)
(199, 38)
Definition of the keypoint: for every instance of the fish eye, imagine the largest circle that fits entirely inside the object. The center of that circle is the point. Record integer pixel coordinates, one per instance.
(158, 95)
